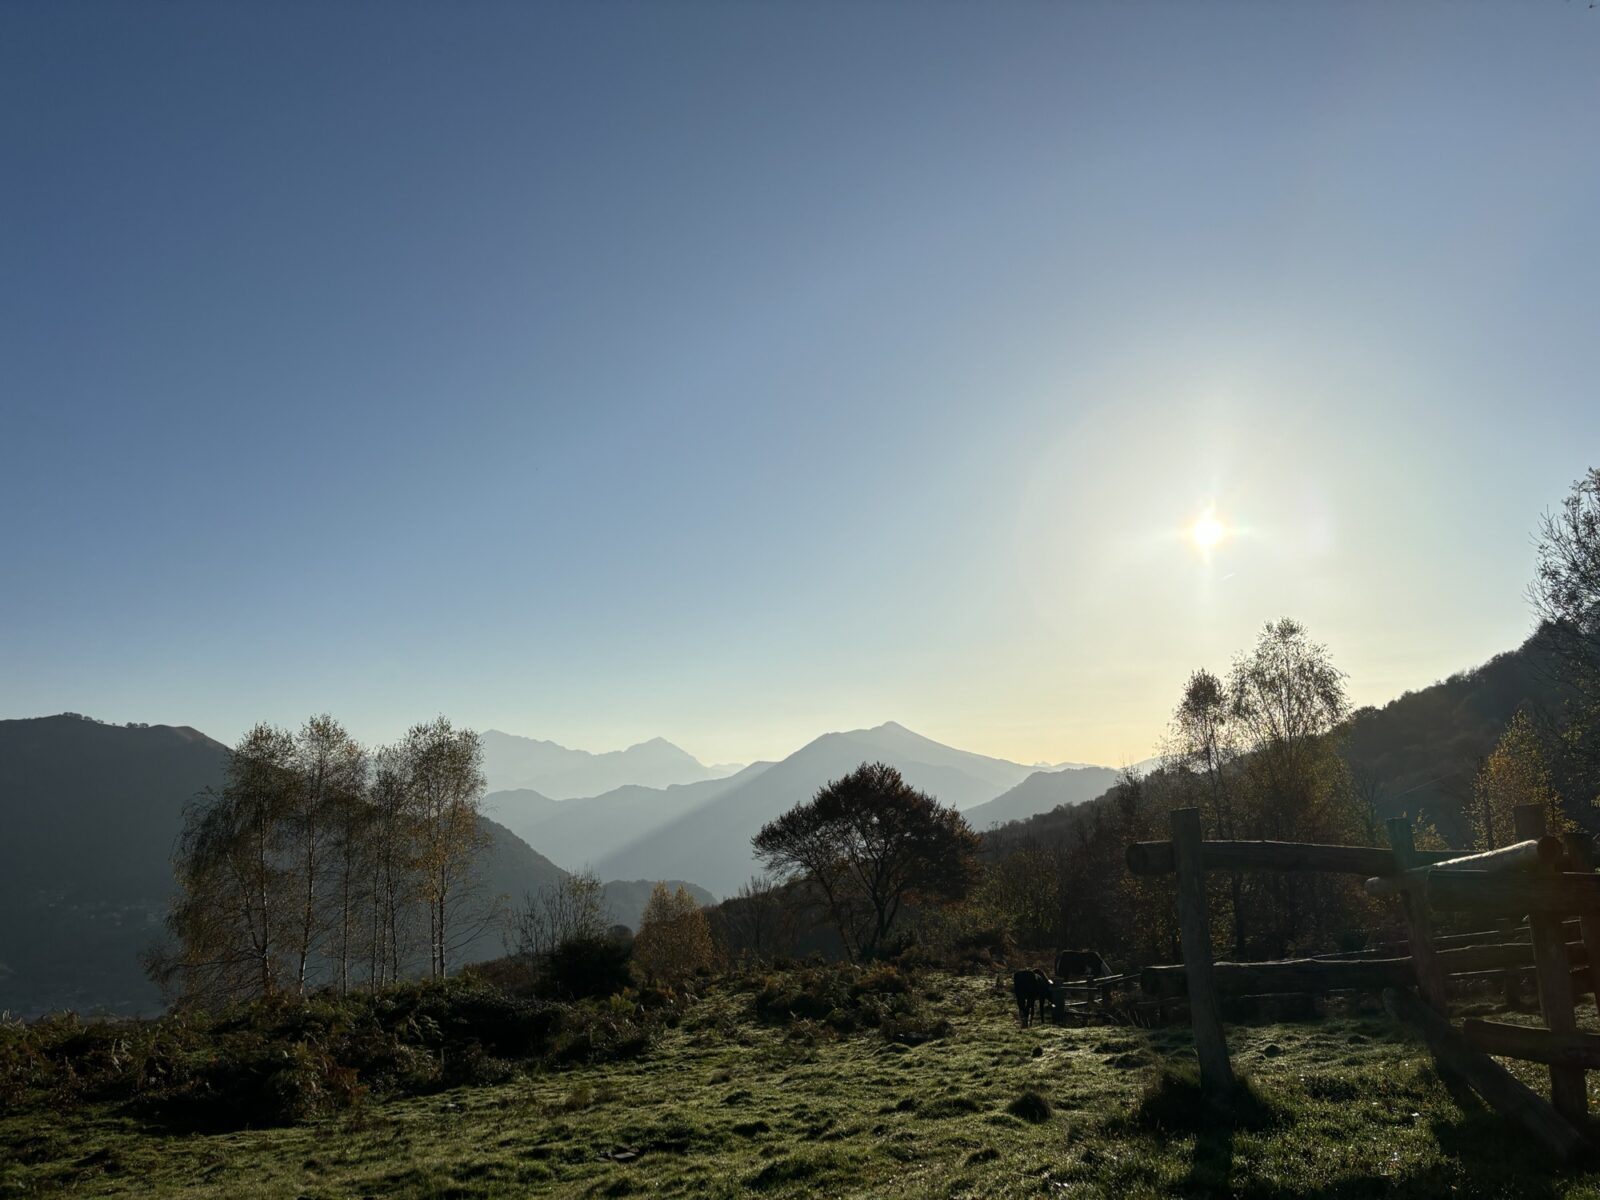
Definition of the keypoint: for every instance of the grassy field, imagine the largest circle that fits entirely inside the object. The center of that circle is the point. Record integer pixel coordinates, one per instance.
(724, 1105)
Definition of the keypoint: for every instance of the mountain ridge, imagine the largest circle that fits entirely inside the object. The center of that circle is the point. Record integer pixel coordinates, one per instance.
(513, 762)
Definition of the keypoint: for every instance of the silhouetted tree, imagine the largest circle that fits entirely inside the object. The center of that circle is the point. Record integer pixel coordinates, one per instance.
(1566, 587)
(1566, 596)
(763, 917)
(573, 907)
(870, 842)
(1204, 733)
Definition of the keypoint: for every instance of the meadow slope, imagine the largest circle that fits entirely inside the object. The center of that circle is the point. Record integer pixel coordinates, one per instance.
(726, 1105)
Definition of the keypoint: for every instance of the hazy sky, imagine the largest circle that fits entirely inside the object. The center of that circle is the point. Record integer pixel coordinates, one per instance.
(737, 372)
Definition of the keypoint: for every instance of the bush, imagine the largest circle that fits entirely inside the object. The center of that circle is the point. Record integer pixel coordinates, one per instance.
(809, 994)
(281, 1060)
(591, 1034)
(846, 999)
(584, 967)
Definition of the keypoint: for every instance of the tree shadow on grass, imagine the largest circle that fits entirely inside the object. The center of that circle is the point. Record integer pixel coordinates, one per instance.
(1481, 1156)
(1173, 1104)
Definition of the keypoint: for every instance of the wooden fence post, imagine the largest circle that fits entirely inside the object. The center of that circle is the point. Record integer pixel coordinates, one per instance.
(1580, 849)
(1419, 923)
(1567, 1090)
(1419, 936)
(1194, 930)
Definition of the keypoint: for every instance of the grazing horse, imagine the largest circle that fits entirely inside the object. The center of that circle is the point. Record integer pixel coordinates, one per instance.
(1081, 964)
(1028, 987)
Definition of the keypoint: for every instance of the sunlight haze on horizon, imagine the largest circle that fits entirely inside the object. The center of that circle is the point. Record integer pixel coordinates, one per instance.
(733, 374)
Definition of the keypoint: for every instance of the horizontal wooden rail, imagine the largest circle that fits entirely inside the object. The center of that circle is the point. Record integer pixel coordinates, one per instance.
(1155, 858)
(1517, 933)
(1483, 891)
(1351, 974)
(1500, 956)
(1519, 856)
(1498, 975)
(1533, 1044)
(1286, 975)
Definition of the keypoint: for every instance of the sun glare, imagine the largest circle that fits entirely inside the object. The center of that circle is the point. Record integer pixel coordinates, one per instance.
(1207, 531)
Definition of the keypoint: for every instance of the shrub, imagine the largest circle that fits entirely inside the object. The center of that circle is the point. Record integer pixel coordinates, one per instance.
(844, 998)
(280, 1060)
(587, 966)
(1031, 1106)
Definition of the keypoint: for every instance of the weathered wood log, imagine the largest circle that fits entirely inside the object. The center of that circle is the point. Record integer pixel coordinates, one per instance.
(1508, 931)
(1491, 937)
(1499, 975)
(1318, 975)
(1580, 850)
(1156, 858)
(1419, 924)
(1502, 955)
(1581, 1050)
(1511, 983)
(1478, 891)
(1567, 1090)
(1286, 975)
(1194, 934)
(1519, 856)
(1271, 1006)
(1501, 1090)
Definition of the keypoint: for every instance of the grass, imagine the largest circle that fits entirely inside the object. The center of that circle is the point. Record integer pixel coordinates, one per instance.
(728, 1104)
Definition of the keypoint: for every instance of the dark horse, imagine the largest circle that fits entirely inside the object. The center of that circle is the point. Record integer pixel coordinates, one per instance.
(1030, 987)
(1081, 964)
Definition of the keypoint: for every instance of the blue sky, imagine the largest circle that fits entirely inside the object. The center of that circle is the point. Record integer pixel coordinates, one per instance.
(737, 372)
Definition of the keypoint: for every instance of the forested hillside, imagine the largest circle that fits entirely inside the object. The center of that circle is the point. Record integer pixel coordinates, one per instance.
(1418, 755)
(1057, 878)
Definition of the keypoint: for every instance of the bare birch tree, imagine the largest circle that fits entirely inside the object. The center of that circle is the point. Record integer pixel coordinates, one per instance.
(231, 919)
(445, 785)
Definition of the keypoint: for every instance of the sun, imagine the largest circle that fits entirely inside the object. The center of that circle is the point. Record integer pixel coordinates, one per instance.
(1207, 531)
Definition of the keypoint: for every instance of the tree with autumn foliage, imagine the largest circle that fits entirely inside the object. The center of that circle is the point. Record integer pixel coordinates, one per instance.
(674, 939)
(1516, 773)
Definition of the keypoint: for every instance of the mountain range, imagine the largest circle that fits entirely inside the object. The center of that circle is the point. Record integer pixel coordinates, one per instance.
(708, 840)
(701, 831)
(91, 811)
(511, 763)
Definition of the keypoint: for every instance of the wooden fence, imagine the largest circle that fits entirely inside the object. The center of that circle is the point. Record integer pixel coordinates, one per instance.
(1542, 879)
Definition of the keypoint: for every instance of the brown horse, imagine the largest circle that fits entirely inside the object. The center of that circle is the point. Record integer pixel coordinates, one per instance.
(1030, 987)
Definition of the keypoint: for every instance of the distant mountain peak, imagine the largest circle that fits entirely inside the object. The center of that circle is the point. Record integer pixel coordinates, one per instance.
(512, 761)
